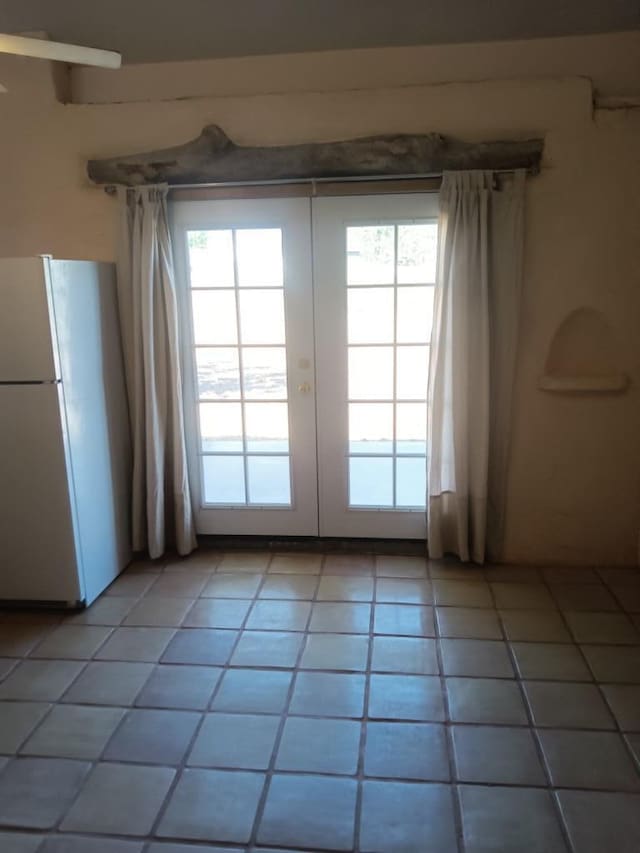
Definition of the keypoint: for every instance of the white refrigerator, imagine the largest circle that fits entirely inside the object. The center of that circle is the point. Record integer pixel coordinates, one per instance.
(65, 457)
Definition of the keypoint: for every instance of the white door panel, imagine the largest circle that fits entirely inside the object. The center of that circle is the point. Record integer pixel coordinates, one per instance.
(28, 350)
(36, 526)
(245, 283)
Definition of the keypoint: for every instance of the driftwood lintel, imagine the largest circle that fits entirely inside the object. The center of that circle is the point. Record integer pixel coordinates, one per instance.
(214, 158)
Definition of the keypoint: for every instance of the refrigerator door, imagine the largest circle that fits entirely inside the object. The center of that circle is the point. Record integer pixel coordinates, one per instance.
(28, 350)
(37, 531)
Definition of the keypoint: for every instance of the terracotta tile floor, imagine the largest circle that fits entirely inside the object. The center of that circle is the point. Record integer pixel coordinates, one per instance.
(292, 702)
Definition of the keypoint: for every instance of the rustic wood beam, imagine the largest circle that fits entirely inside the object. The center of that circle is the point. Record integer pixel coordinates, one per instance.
(214, 158)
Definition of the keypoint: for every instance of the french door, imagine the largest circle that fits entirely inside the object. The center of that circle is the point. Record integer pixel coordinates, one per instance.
(306, 327)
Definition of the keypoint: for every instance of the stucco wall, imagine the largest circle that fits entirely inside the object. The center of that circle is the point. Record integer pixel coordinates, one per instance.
(574, 485)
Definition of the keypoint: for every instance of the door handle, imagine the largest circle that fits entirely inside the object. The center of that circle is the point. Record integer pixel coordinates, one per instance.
(304, 388)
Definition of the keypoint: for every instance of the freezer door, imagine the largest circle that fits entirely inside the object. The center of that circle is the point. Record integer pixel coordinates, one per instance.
(38, 558)
(28, 350)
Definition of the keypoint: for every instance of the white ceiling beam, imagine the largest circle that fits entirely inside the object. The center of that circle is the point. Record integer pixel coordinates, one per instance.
(59, 52)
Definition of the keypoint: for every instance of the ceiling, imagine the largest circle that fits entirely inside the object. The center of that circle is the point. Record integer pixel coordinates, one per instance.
(169, 30)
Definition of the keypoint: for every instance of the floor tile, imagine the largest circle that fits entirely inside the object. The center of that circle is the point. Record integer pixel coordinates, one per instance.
(267, 648)
(84, 844)
(407, 818)
(345, 588)
(411, 655)
(348, 564)
(217, 613)
(541, 626)
(17, 721)
(628, 575)
(232, 586)
(75, 642)
(180, 585)
(512, 574)
(296, 563)
(611, 664)
(406, 697)
(485, 700)
(407, 620)
(319, 746)
(167, 847)
(244, 561)
(578, 706)
(487, 658)
(459, 593)
(152, 736)
(496, 755)
(108, 610)
(633, 741)
(239, 741)
(159, 611)
(614, 628)
(570, 574)
(40, 680)
(388, 565)
(403, 591)
(340, 617)
(522, 596)
(122, 799)
(406, 751)
(550, 661)
(35, 792)
(287, 586)
(468, 622)
(309, 811)
(589, 760)
(207, 646)
(253, 690)
(454, 570)
(15, 842)
(583, 596)
(279, 615)
(109, 683)
(215, 805)
(136, 644)
(328, 694)
(180, 686)
(6, 665)
(599, 821)
(74, 731)
(509, 820)
(335, 651)
(624, 700)
(628, 596)
(131, 584)
(203, 560)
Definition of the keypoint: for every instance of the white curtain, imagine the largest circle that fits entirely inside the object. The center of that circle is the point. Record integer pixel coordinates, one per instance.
(161, 509)
(473, 351)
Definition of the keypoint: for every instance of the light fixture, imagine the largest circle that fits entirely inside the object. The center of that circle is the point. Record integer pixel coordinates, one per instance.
(58, 51)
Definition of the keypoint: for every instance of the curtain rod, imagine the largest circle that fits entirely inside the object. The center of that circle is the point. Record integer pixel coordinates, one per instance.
(317, 186)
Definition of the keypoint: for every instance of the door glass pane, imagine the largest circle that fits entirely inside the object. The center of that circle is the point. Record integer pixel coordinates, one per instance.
(269, 481)
(371, 373)
(220, 427)
(411, 481)
(370, 315)
(214, 316)
(223, 480)
(417, 253)
(415, 315)
(370, 254)
(218, 373)
(259, 253)
(262, 316)
(412, 366)
(267, 426)
(264, 373)
(210, 258)
(370, 481)
(371, 428)
(411, 427)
